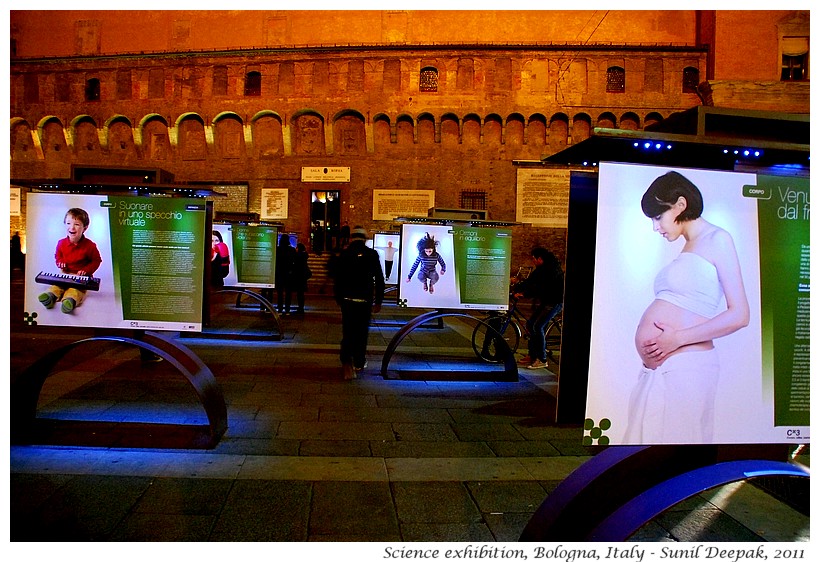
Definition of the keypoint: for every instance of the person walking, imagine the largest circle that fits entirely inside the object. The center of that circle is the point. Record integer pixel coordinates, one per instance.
(358, 287)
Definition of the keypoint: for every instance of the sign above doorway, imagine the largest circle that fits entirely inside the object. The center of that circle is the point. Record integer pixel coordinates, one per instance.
(332, 174)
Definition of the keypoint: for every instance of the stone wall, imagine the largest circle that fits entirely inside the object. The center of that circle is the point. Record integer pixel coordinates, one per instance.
(450, 112)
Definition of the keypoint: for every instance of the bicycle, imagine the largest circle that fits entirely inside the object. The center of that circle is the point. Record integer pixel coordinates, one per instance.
(511, 326)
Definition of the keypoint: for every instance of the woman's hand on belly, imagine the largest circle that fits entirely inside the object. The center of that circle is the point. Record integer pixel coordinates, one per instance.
(658, 333)
(657, 349)
(646, 332)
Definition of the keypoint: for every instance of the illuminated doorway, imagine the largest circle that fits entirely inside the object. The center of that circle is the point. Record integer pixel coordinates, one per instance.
(325, 214)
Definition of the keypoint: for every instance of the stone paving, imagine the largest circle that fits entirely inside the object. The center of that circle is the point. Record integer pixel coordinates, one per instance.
(310, 457)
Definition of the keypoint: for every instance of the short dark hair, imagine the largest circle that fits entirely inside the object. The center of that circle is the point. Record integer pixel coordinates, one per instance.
(539, 252)
(664, 192)
(79, 214)
(546, 256)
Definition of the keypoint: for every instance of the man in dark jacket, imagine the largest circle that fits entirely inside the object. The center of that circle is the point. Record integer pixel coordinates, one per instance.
(359, 289)
(285, 256)
(546, 286)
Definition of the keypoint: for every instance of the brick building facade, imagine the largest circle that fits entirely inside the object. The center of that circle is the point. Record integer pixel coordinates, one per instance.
(409, 100)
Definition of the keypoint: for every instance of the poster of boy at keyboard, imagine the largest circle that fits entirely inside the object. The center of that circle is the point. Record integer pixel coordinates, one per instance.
(78, 257)
(110, 261)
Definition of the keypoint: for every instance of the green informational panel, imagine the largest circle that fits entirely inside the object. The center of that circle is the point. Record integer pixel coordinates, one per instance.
(254, 254)
(468, 267)
(150, 270)
(482, 265)
(783, 212)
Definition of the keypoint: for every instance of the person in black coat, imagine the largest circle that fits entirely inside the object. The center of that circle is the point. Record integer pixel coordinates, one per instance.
(283, 278)
(358, 287)
(546, 286)
(301, 274)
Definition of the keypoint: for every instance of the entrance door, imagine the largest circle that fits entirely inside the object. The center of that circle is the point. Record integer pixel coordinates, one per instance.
(325, 215)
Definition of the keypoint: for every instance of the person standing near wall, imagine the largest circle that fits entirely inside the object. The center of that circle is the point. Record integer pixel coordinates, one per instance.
(301, 274)
(344, 235)
(18, 258)
(285, 254)
(358, 287)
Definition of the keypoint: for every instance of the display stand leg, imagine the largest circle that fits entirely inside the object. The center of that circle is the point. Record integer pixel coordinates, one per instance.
(622, 488)
(510, 372)
(25, 390)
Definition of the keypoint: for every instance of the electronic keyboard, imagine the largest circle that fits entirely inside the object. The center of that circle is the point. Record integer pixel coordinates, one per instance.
(84, 282)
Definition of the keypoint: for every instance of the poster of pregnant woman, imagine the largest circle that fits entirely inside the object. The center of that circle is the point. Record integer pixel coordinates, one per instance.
(692, 341)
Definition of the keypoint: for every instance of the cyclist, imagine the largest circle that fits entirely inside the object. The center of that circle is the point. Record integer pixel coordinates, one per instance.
(546, 286)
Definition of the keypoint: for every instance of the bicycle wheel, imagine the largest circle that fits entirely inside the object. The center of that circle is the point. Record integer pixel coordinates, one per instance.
(553, 339)
(486, 335)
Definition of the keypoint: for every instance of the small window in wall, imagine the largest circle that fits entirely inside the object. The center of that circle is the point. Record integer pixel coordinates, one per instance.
(92, 89)
(615, 79)
(474, 199)
(220, 81)
(691, 79)
(793, 68)
(794, 58)
(253, 83)
(428, 79)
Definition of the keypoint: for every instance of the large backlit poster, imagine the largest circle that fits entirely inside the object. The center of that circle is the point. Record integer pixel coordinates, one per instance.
(145, 257)
(388, 245)
(700, 326)
(454, 267)
(253, 254)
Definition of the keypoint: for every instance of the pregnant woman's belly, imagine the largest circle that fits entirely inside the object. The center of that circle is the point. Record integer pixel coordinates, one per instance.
(671, 315)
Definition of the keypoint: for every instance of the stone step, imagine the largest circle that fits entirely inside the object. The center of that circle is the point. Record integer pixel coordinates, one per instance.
(320, 282)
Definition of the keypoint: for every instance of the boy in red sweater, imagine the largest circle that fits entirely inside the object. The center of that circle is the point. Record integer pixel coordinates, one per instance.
(76, 255)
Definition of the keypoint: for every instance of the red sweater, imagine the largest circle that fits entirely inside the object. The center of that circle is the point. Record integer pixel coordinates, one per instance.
(82, 256)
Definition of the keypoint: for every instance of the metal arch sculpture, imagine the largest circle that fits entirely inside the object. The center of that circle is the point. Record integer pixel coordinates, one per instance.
(510, 366)
(613, 494)
(641, 509)
(25, 390)
(264, 304)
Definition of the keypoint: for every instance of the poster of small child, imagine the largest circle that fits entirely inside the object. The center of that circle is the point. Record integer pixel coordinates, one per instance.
(426, 261)
(427, 272)
(75, 255)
